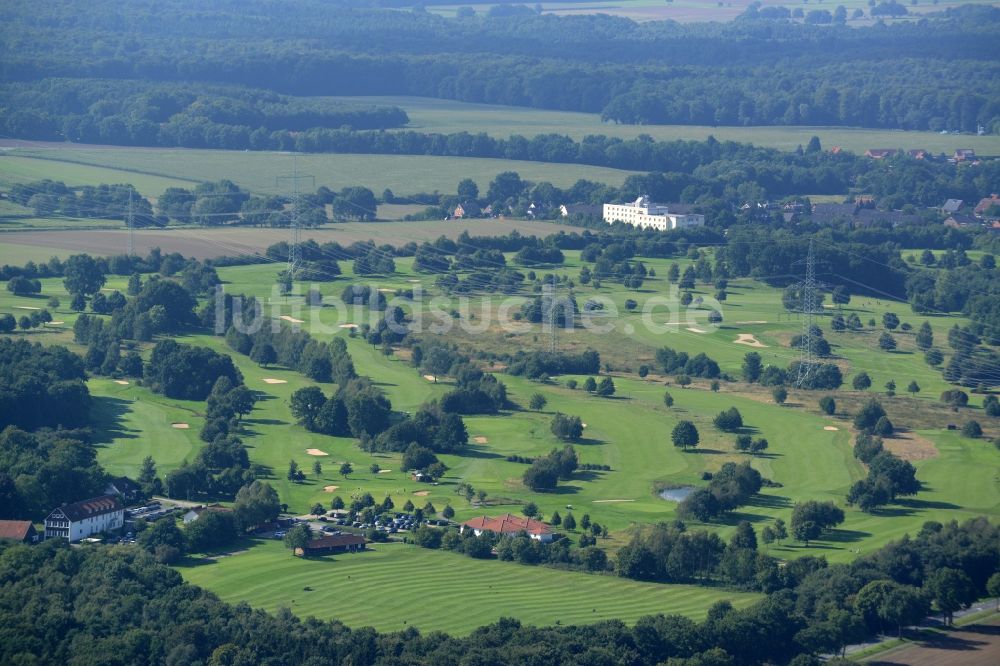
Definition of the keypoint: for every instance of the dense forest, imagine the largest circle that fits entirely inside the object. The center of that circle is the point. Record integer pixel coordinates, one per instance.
(143, 113)
(936, 73)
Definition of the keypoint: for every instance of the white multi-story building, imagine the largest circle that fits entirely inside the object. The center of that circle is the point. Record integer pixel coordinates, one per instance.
(645, 214)
(80, 520)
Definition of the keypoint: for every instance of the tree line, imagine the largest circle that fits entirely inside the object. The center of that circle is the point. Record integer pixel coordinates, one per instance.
(936, 75)
(151, 113)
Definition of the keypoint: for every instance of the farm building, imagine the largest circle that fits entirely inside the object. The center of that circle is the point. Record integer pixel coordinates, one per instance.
(21, 531)
(197, 511)
(127, 489)
(587, 210)
(880, 153)
(335, 543)
(80, 520)
(510, 525)
(645, 214)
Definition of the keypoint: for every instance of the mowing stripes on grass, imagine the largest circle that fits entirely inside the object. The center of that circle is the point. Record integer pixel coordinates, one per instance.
(396, 585)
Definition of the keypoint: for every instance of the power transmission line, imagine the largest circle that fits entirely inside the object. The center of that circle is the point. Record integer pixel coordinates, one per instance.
(130, 221)
(295, 231)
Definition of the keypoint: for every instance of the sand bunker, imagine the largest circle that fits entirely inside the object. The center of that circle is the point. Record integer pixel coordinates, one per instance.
(414, 281)
(272, 380)
(55, 323)
(180, 426)
(292, 319)
(329, 489)
(584, 425)
(422, 493)
(430, 378)
(348, 326)
(611, 501)
(121, 381)
(749, 340)
(316, 452)
(755, 321)
(830, 428)
(388, 291)
(384, 471)
(480, 440)
(696, 330)
(25, 307)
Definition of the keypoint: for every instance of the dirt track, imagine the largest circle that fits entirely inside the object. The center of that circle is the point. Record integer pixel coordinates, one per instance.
(203, 243)
(974, 645)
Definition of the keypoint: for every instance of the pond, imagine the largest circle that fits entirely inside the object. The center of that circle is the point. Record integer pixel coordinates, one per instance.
(676, 494)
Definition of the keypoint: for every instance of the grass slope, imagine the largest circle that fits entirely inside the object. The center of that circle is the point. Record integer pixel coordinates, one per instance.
(396, 586)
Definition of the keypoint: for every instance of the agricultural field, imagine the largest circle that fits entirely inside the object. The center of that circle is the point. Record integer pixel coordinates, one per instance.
(405, 586)
(15, 168)
(683, 11)
(447, 116)
(152, 170)
(205, 242)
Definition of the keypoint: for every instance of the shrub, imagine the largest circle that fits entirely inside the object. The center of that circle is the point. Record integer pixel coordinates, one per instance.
(972, 430)
(729, 420)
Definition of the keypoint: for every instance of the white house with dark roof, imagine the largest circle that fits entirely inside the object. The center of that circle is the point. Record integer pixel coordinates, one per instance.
(80, 520)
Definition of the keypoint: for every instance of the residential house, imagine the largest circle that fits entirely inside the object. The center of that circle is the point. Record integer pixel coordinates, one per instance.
(859, 214)
(880, 153)
(584, 210)
(952, 206)
(127, 489)
(196, 512)
(986, 204)
(80, 520)
(869, 217)
(961, 221)
(458, 213)
(274, 526)
(335, 543)
(21, 531)
(509, 525)
(964, 154)
(831, 213)
(918, 154)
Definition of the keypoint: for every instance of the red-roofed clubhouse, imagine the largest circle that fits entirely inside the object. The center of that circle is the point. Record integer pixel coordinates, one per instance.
(510, 525)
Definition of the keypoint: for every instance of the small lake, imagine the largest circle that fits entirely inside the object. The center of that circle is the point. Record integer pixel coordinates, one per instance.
(676, 494)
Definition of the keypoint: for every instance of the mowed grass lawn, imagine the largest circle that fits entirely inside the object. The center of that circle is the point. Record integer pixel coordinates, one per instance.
(395, 586)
